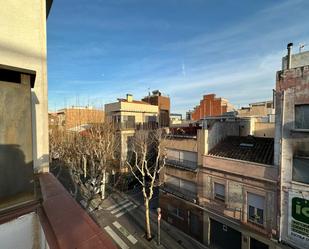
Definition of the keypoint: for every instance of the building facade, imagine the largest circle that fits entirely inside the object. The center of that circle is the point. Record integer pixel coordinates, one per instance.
(210, 105)
(292, 148)
(179, 192)
(23, 46)
(74, 118)
(128, 115)
(206, 184)
(164, 105)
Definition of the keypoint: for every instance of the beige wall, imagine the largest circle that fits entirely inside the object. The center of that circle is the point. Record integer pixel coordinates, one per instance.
(262, 181)
(140, 111)
(23, 44)
(264, 129)
(188, 144)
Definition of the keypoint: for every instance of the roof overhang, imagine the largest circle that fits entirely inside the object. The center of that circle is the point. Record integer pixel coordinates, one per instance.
(48, 6)
(32, 73)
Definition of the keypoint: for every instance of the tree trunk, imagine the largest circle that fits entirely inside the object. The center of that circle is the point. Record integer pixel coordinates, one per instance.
(103, 185)
(147, 219)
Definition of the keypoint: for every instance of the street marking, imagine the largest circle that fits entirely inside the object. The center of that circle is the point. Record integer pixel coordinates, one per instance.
(116, 205)
(125, 211)
(121, 207)
(132, 239)
(125, 232)
(116, 238)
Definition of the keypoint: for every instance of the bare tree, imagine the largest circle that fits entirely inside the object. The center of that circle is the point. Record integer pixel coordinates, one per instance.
(146, 161)
(88, 156)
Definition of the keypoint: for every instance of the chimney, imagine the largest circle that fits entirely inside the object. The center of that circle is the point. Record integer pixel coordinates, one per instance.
(289, 56)
(129, 97)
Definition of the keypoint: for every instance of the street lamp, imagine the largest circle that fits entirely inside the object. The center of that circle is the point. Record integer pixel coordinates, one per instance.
(159, 218)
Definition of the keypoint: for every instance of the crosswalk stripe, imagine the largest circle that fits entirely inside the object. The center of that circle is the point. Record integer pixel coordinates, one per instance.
(116, 205)
(125, 232)
(121, 207)
(116, 238)
(132, 239)
(125, 211)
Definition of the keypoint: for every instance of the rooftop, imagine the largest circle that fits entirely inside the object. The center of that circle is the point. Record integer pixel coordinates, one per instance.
(134, 101)
(253, 149)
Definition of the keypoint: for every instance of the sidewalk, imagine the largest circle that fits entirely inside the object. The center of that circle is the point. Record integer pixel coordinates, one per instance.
(171, 237)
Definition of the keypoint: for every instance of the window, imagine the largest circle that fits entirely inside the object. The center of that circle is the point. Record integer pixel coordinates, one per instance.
(180, 213)
(256, 208)
(186, 159)
(302, 117)
(180, 185)
(301, 169)
(219, 192)
(151, 119)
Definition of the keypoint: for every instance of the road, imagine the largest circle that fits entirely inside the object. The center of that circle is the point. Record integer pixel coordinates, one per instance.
(121, 215)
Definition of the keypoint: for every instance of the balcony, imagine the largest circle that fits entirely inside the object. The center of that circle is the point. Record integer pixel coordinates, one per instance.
(180, 192)
(181, 163)
(128, 125)
(56, 221)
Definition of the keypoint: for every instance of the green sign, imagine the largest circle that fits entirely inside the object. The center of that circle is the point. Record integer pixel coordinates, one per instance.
(300, 210)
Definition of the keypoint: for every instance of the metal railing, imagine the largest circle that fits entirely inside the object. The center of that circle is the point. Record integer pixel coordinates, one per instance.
(181, 163)
(180, 192)
(137, 126)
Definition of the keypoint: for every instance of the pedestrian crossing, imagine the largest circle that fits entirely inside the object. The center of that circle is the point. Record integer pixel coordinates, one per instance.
(121, 208)
(116, 238)
(119, 241)
(115, 230)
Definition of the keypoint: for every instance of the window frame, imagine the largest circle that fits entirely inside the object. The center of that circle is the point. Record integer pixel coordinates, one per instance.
(219, 197)
(296, 127)
(256, 219)
(296, 157)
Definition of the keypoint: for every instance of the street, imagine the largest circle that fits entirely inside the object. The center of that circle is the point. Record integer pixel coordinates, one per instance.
(122, 217)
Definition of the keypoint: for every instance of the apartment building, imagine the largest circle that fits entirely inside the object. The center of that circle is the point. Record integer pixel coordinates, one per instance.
(263, 117)
(76, 118)
(239, 185)
(128, 115)
(211, 105)
(164, 105)
(292, 148)
(258, 109)
(179, 192)
(207, 191)
(35, 209)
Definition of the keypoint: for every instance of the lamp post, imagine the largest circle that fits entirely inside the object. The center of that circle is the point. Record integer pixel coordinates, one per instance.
(159, 218)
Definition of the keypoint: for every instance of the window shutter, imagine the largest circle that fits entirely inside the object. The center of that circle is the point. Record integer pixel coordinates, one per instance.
(220, 189)
(256, 201)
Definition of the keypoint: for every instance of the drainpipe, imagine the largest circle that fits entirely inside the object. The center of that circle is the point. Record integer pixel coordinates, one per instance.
(289, 56)
(280, 180)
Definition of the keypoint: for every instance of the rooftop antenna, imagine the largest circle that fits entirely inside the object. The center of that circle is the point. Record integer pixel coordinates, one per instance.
(301, 47)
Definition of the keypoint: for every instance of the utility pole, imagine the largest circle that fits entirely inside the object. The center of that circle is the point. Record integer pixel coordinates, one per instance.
(159, 219)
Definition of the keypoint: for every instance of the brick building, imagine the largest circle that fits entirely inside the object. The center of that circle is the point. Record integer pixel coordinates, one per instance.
(211, 106)
(164, 105)
(75, 117)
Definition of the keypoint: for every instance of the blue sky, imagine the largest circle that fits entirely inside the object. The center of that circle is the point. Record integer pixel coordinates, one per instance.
(99, 50)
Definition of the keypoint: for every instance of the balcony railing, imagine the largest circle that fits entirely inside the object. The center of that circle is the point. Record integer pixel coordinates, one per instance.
(181, 163)
(180, 192)
(136, 126)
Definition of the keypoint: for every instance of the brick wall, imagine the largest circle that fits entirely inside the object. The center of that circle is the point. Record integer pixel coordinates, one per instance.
(210, 106)
(76, 117)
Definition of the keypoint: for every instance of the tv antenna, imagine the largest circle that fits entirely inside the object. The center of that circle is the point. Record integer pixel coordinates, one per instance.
(302, 46)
